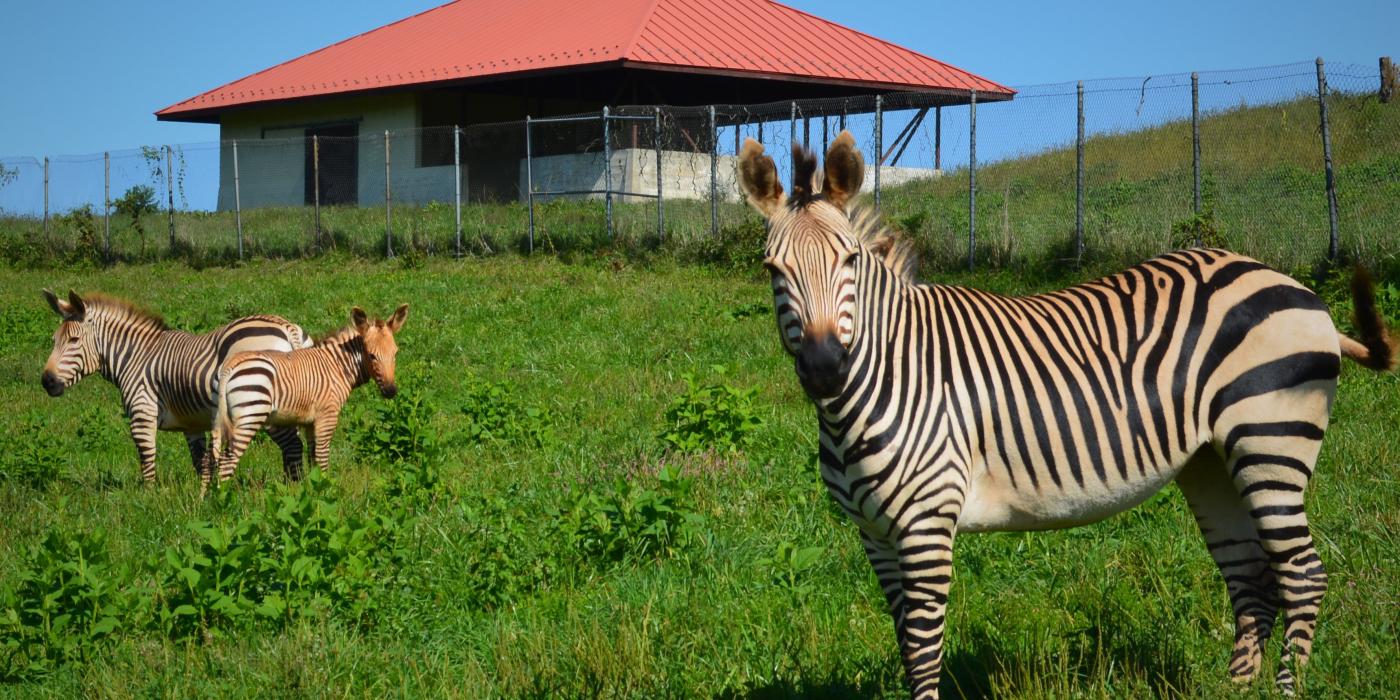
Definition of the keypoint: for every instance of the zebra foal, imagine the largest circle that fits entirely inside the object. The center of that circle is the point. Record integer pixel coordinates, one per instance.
(943, 409)
(304, 388)
(166, 377)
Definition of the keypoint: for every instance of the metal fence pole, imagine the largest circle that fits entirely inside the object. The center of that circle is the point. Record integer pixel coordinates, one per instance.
(1196, 148)
(46, 194)
(107, 201)
(714, 173)
(170, 193)
(388, 202)
(457, 186)
(879, 144)
(660, 210)
(529, 184)
(607, 171)
(826, 140)
(1332, 243)
(792, 134)
(938, 138)
(237, 201)
(1079, 180)
(972, 181)
(316, 180)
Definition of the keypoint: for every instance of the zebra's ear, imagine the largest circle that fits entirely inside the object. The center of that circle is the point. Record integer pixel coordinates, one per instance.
(76, 302)
(358, 317)
(68, 310)
(54, 302)
(845, 171)
(759, 178)
(396, 321)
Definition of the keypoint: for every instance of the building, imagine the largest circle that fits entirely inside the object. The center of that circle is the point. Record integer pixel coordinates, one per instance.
(474, 62)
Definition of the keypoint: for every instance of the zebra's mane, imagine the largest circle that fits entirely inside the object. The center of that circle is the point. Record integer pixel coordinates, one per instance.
(890, 245)
(103, 303)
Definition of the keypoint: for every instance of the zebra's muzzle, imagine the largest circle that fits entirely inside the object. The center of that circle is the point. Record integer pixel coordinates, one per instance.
(822, 366)
(52, 384)
(389, 391)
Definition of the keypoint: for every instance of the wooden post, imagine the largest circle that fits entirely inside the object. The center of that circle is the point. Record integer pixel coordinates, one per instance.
(1333, 244)
(1390, 79)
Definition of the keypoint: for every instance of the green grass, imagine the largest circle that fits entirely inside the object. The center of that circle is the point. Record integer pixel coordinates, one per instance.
(1131, 607)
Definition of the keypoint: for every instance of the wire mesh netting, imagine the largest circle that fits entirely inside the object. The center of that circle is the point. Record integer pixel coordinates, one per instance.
(1259, 186)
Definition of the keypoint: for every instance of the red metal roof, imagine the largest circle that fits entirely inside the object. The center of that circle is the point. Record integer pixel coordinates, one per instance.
(470, 39)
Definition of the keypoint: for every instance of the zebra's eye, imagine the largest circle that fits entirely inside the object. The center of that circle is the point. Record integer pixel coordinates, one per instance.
(72, 338)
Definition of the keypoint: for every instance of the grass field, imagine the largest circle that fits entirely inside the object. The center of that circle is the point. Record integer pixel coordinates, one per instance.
(500, 582)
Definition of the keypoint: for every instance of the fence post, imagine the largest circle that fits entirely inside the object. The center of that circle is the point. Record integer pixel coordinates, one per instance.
(660, 210)
(237, 201)
(826, 140)
(46, 195)
(714, 173)
(1390, 79)
(457, 185)
(938, 138)
(1196, 148)
(792, 135)
(806, 130)
(843, 115)
(1332, 243)
(316, 181)
(879, 144)
(388, 202)
(972, 181)
(607, 171)
(529, 184)
(107, 201)
(170, 193)
(1079, 179)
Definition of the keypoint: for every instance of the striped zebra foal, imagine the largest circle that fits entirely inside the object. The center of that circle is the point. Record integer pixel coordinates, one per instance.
(303, 388)
(943, 409)
(166, 377)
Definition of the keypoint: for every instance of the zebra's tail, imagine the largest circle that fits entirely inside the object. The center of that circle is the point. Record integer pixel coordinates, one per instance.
(1374, 349)
(223, 420)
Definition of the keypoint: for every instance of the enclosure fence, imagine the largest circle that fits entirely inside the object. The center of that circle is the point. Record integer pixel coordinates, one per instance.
(1290, 163)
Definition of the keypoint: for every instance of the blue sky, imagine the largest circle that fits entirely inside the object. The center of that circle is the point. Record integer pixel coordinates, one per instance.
(81, 76)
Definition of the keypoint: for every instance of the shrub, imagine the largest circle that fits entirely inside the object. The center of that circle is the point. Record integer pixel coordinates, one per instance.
(67, 601)
(714, 416)
(31, 457)
(493, 414)
(504, 557)
(631, 521)
(736, 247)
(398, 431)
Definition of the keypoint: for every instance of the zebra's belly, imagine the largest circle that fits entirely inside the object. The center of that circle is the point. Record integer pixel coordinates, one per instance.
(185, 421)
(994, 505)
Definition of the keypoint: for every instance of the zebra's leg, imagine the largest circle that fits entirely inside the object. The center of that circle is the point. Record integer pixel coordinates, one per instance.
(322, 432)
(244, 428)
(290, 442)
(143, 433)
(885, 560)
(1234, 544)
(196, 443)
(1271, 470)
(925, 560)
(310, 437)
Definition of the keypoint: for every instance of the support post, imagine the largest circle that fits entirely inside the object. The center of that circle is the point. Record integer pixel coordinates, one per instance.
(938, 138)
(529, 184)
(806, 131)
(316, 180)
(1079, 179)
(107, 202)
(457, 187)
(660, 200)
(46, 195)
(170, 193)
(388, 202)
(1196, 147)
(1333, 244)
(879, 144)
(843, 115)
(1390, 79)
(826, 141)
(714, 173)
(972, 182)
(607, 171)
(237, 201)
(737, 138)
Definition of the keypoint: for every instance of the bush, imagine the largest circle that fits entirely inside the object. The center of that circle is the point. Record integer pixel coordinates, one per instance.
(737, 247)
(493, 414)
(31, 457)
(67, 601)
(398, 431)
(504, 558)
(714, 416)
(631, 521)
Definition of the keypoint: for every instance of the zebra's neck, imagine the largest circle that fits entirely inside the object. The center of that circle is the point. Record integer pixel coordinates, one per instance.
(122, 344)
(880, 298)
(348, 358)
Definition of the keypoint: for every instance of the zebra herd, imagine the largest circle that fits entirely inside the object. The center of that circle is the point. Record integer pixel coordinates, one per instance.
(258, 371)
(940, 409)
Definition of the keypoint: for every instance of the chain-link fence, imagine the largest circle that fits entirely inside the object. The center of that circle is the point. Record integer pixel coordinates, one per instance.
(1114, 169)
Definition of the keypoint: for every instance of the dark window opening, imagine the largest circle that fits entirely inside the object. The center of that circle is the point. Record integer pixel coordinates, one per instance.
(438, 112)
(339, 171)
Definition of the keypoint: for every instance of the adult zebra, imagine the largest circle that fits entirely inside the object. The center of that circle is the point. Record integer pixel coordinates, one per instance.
(944, 409)
(166, 377)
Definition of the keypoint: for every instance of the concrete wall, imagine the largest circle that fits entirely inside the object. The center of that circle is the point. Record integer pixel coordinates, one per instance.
(891, 176)
(684, 175)
(272, 152)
